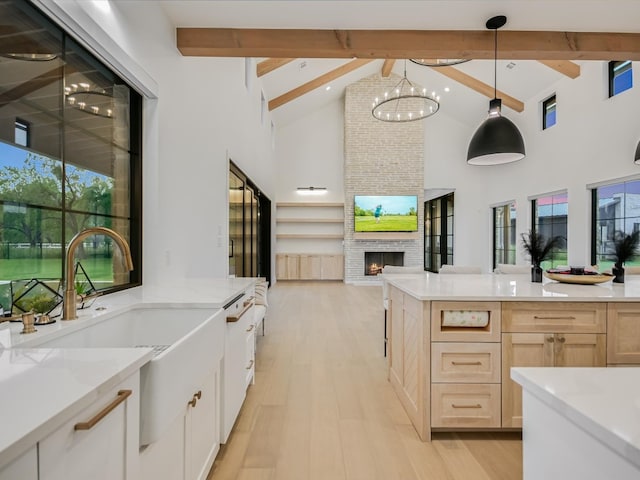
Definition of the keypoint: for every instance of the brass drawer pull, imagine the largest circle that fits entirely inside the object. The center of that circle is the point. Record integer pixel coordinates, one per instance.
(568, 317)
(550, 339)
(196, 396)
(477, 405)
(465, 363)
(250, 365)
(235, 318)
(251, 327)
(121, 397)
(248, 301)
(561, 339)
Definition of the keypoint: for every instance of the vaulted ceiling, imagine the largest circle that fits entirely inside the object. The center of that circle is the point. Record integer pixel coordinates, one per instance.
(307, 52)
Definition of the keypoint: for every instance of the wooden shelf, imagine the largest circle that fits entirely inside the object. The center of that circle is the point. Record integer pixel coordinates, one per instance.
(309, 204)
(323, 236)
(309, 220)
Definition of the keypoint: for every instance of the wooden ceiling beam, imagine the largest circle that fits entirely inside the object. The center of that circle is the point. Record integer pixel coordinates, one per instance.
(565, 67)
(270, 64)
(480, 87)
(317, 82)
(387, 66)
(374, 44)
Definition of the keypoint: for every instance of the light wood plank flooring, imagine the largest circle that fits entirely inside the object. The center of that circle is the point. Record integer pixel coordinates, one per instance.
(322, 408)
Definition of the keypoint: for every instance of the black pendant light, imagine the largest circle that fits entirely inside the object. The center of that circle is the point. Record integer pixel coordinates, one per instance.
(637, 157)
(497, 140)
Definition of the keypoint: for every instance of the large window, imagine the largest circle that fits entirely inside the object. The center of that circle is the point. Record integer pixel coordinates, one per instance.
(69, 155)
(620, 76)
(504, 234)
(615, 211)
(550, 220)
(438, 232)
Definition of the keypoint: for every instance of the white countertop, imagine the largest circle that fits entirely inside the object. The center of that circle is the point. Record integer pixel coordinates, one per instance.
(200, 293)
(42, 388)
(604, 402)
(494, 287)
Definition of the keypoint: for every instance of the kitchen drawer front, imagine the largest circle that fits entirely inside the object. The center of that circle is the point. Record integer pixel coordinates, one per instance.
(465, 405)
(454, 321)
(559, 317)
(623, 333)
(465, 362)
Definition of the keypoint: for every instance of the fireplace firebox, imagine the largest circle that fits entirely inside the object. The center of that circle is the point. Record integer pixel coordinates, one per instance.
(375, 261)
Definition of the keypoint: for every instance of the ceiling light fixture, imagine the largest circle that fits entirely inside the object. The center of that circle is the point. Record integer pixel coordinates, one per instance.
(439, 62)
(311, 190)
(405, 102)
(497, 140)
(96, 102)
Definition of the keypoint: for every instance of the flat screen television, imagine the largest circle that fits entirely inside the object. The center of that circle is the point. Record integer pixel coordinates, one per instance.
(386, 213)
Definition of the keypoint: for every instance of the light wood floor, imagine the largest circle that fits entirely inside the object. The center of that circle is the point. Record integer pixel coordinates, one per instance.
(322, 408)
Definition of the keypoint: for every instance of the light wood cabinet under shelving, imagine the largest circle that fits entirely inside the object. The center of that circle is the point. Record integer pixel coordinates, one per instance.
(309, 228)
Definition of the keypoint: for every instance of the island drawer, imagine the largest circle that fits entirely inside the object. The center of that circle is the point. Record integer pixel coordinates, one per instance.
(560, 317)
(465, 321)
(465, 362)
(465, 405)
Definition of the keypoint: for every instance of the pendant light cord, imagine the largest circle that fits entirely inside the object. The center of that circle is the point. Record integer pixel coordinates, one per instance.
(495, 65)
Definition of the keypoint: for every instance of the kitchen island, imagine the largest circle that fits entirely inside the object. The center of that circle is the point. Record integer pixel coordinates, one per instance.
(580, 423)
(454, 338)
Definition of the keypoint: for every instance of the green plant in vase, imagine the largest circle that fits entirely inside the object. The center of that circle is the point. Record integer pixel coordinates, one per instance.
(539, 248)
(625, 247)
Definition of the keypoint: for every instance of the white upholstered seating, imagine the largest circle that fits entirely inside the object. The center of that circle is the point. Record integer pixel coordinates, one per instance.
(459, 269)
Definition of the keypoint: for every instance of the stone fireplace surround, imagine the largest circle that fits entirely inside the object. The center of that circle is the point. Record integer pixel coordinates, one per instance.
(380, 158)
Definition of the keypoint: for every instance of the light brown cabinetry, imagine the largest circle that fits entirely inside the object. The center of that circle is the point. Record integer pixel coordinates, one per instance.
(465, 364)
(623, 334)
(550, 335)
(408, 360)
(303, 266)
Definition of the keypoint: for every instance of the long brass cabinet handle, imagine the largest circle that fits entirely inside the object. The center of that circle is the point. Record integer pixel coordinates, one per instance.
(121, 397)
(560, 317)
(250, 365)
(477, 405)
(453, 362)
(235, 318)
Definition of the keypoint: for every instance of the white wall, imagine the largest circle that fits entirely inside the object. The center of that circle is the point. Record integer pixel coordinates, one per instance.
(202, 117)
(594, 140)
(311, 152)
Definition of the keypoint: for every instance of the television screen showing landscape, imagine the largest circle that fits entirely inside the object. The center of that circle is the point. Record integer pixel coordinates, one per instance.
(386, 213)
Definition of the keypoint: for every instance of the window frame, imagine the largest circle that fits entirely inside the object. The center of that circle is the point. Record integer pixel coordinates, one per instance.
(612, 66)
(509, 230)
(23, 125)
(545, 106)
(134, 151)
(434, 259)
(595, 221)
(535, 226)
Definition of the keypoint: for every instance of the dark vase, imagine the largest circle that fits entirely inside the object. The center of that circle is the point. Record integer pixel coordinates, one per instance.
(536, 273)
(618, 273)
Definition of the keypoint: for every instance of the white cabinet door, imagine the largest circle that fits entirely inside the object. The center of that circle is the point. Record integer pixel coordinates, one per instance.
(106, 449)
(202, 428)
(25, 467)
(235, 373)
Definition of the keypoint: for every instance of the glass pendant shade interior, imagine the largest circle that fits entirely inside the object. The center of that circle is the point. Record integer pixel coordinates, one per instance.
(637, 157)
(405, 102)
(497, 140)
